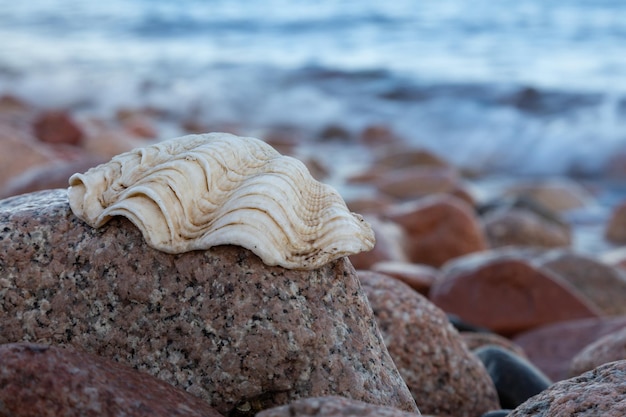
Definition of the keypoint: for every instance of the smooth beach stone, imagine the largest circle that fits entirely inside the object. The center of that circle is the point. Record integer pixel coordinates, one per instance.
(444, 377)
(475, 340)
(615, 230)
(419, 277)
(396, 157)
(515, 378)
(48, 176)
(414, 182)
(388, 246)
(377, 135)
(104, 141)
(218, 323)
(552, 347)
(558, 195)
(40, 380)
(603, 284)
(517, 227)
(56, 127)
(374, 204)
(600, 392)
(333, 407)
(20, 152)
(609, 348)
(503, 291)
(438, 228)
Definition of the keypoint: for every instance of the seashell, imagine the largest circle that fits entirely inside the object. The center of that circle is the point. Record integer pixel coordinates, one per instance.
(199, 191)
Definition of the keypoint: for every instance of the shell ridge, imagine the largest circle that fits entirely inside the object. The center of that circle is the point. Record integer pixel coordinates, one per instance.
(199, 191)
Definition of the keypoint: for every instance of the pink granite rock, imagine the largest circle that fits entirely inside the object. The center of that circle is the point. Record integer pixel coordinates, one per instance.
(333, 407)
(552, 347)
(601, 283)
(609, 348)
(40, 380)
(443, 376)
(438, 228)
(503, 291)
(218, 323)
(601, 392)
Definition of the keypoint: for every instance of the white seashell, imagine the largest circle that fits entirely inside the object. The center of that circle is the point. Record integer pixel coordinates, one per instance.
(200, 191)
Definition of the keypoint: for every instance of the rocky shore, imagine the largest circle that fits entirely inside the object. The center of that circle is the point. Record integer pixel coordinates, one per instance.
(476, 300)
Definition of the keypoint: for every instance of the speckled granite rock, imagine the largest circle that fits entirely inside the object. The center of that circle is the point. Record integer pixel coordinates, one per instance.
(40, 380)
(333, 407)
(217, 323)
(609, 348)
(443, 376)
(601, 392)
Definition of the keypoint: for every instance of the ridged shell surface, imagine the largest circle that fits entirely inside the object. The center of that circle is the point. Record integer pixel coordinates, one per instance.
(199, 191)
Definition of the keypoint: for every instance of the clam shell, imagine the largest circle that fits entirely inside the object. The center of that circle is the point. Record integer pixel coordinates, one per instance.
(199, 191)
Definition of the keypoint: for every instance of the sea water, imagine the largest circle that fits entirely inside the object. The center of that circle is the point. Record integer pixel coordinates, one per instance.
(524, 87)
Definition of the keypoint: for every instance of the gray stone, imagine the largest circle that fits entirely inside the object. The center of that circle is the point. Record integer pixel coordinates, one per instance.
(516, 379)
(40, 380)
(333, 407)
(444, 377)
(601, 392)
(218, 323)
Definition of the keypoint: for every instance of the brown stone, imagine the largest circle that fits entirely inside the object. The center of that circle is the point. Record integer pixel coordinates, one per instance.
(218, 323)
(552, 347)
(415, 182)
(557, 195)
(106, 143)
(388, 247)
(443, 376)
(57, 126)
(438, 228)
(378, 135)
(611, 347)
(503, 291)
(333, 407)
(19, 153)
(47, 177)
(375, 204)
(601, 392)
(601, 283)
(615, 230)
(400, 157)
(40, 380)
(517, 227)
(418, 277)
(475, 340)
